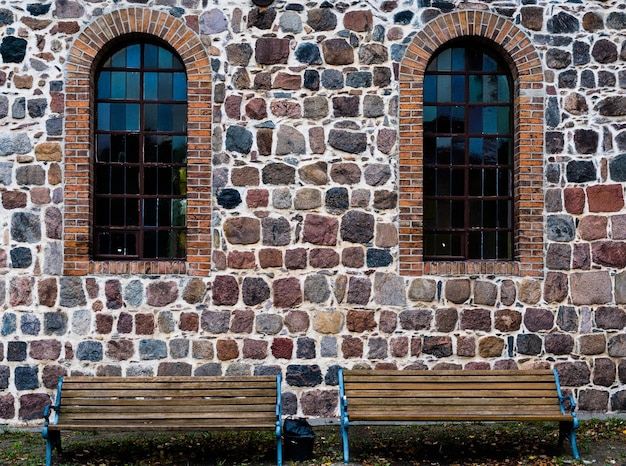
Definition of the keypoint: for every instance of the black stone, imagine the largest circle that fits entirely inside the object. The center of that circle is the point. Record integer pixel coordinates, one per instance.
(261, 18)
(617, 167)
(378, 258)
(26, 378)
(299, 375)
(308, 53)
(337, 198)
(16, 350)
(555, 142)
(229, 198)
(312, 80)
(347, 141)
(567, 318)
(587, 79)
(580, 171)
(568, 79)
(332, 375)
(279, 174)
(403, 17)
(606, 79)
(54, 126)
(586, 141)
(563, 23)
(255, 290)
(581, 53)
(55, 323)
(357, 227)
(6, 17)
(13, 49)
(305, 348)
(25, 227)
(528, 344)
(294, 7)
(21, 258)
(72, 293)
(5, 374)
(238, 139)
(616, 20)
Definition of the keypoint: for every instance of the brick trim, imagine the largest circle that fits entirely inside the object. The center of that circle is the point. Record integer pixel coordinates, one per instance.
(80, 68)
(526, 69)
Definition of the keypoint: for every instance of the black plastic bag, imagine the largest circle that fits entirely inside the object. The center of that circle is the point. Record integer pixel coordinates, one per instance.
(298, 439)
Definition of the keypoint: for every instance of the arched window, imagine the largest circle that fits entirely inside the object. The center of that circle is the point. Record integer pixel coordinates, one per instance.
(468, 155)
(140, 166)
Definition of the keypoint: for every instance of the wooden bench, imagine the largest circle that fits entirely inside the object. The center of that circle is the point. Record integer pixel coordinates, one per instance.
(164, 404)
(372, 396)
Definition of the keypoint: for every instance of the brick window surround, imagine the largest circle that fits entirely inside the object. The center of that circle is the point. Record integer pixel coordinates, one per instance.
(526, 69)
(89, 47)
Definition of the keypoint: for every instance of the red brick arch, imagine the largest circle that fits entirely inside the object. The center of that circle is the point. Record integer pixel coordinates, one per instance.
(80, 67)
(526, 68)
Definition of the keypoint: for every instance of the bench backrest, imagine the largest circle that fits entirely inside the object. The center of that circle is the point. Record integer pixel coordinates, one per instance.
(171, 403)
(451, 395)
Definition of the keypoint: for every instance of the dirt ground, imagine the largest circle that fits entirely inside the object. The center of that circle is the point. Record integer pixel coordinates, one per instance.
(600, 443)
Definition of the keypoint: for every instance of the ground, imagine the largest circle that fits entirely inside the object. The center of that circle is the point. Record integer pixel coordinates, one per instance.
(601, 442)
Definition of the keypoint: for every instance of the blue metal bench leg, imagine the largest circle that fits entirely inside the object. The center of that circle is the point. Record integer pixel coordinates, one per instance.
(53, 440)
(344, 440)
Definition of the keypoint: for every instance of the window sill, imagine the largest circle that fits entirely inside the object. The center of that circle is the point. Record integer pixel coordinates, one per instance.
(472, 268)
(173, 267)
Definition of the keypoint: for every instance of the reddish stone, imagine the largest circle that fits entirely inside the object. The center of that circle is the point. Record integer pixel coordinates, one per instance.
(219, 259)
(476, 319)
(256, 198)
(297, 321)
(21, 291)
(189, 322)
(125, 323)
(385, 140)
(360, 321)
(144, 324)
(270, 257)
(605, 198)
(507, 320)
(160, 294)
(120, 350)
(256, 109)
(287, 81)
(319, 403)
(320, 230)
(282, 348)
(317, 140)
(581, 256)
(225, 290)
(32, 406)
(14, 199)
(241, 260)
(264, 137)
(284, 108)
(359, 290)
(50, 375)
(296, 258)
(592, 227)
(113, 293)
(399, 346)
(618, 227)
(324, 258)
(555, 287)
(40, 195)
(47, 291)
(609, 253)
(353, 257)
(287, 292)
(359, 21)
(352, 347)
(242, 321)
(227, 350)
(232, 106)
(254, 349)
(337, 52)
(574, 200)
(271, 51)
(536, 319)
(245, 176)
(68, 27)
(104, 323)
(45, 349)
(416, 346)
(466, 346)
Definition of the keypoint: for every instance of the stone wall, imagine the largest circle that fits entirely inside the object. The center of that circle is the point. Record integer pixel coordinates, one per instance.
(305, 229)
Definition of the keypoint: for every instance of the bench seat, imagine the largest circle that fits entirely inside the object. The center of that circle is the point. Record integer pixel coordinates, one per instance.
(164, 404)
(389, 396)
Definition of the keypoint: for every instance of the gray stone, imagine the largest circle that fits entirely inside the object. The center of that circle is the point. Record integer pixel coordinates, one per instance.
(348, 141)
(573, 374)
(332, 79)
(588, 288)
(308, 53)
(278, 174)
(529, 344)
(26, 378)
(276, 231)
(560, 228)
(152, 349)
(238, 139)
(389, 289)
(417, 319)
(316, 288)
(290, 141)
(269, 324)
(290, 22)
(457, 291)
(55, 323)
(321, 19)
(423, 289)
(89, 351)
(213, 22)
(18, 111)
(357, 227)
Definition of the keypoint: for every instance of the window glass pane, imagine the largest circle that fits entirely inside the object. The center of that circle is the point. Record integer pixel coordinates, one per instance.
(458, 182)
(150, 212)
(504, 126)
(475, 249)
(490, 214)
(150, 54)
(165, 149)
(150, 117)
(118, 85)
(430, 184)
(430, 150)
(490, 88)
(132, 117)
(165, 58)
(117, 213)
(490, 182)
(132, 212)
(117, 180)
(165, 117)
(443, 182)
(180, 118)
(475, 182)
(103, 179)
(490, 120)
(444, 147)
(457, 214)
(458, 59)
(443, 214)
(443, 119)
(165, 212)
(118, 117)
(504, 151)
(180, 181)
(165, 181)
(458, 88)
(179, 148)
(430, 89)
(118, 60)
(165, 86)
(132, 180)
(150, 180)
(150, 86)
(430, 119)
(444, 88)
(133, 56)
(475, 88)
(150, 244)
(476, 120)
(180, 86)
(430, 213)
(132, 85)
(504, 245)
(476, 151)
(489, 64)
(179, 212)
(444, 60)
(103, 147)
(458, 151)
(132, 148)
(474, 56)
(504, 182)
(101, 211)
(504, 93)
(103, 117)
(458, 119)
(104, 85)
(475, 213)
(490, 151)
